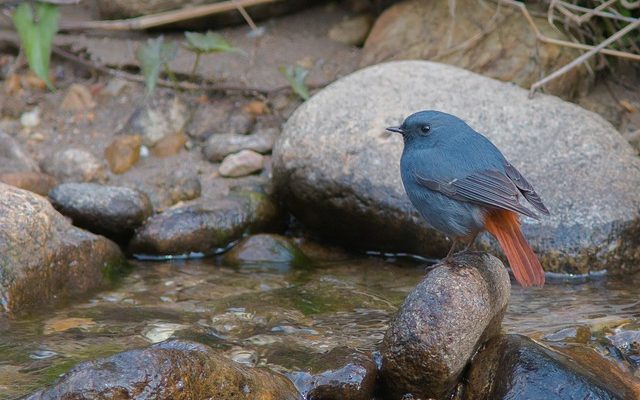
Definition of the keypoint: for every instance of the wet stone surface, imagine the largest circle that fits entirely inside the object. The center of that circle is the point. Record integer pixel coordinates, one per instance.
(174, 369)
(266, 248)
(43, 258)
(444, 320)
(111, 211)
(342, 373)
(205, 228)
(285, 319)
(514, 366)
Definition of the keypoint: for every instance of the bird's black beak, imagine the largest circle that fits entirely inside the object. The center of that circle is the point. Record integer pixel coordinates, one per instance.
(395, 129)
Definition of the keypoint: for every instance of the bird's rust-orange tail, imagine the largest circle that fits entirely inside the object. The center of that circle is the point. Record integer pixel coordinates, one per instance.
(505, 226)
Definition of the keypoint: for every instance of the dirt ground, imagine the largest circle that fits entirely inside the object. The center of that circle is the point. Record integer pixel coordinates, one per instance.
(299, 38)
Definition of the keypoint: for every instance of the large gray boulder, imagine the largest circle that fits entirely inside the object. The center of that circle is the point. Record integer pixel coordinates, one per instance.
(338, 170)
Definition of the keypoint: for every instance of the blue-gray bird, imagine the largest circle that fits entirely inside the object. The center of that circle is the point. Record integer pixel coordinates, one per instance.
(462, 185)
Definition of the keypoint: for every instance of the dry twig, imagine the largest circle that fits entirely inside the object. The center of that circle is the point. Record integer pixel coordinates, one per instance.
(566, 68)
(165, 18)
(564, 7)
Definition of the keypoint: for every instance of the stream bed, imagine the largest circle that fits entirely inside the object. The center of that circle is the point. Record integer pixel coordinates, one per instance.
(283, 317)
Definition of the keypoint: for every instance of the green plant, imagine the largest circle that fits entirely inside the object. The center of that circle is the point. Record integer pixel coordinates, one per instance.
(36, 27)
(205, 43)
(154, 56)
(295, 76)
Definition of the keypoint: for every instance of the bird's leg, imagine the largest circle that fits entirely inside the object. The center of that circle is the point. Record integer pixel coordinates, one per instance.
(451, 251)
(470, 243)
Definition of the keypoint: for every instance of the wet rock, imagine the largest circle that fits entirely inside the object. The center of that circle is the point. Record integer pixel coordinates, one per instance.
(514, 366)
(169, 370)
(221, 145)
(338, 171)
(35, 182)
(352, 31)
(266, 248)
(242, 163)
(112, 211)
(75, 165)
(183, 185)
(169, 145)
(123, 153)
(577, 334)
(204, 228)
(13, 158)
(509, 51)
(43, 258)
(162, 116)
(341, 374)
(453, 310)
(628, 343)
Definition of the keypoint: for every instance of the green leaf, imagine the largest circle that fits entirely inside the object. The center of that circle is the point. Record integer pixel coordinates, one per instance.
(36, 35)
(295, 77)
(209, 42)
(152, 57)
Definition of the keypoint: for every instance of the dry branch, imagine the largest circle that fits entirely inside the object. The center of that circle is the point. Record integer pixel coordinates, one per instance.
(164, 18)
(585, 56)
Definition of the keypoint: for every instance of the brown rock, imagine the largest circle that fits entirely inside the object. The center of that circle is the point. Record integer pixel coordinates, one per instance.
(78, 98)
(352, 31)
(256, 107)
(123, 153)
(456, 308)
(502, 47)
(169, 145)
(43, 258)
(168, 370)
(266, 248)
(35, 182)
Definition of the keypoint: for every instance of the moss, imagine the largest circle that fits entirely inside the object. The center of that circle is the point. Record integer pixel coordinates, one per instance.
(114, 270)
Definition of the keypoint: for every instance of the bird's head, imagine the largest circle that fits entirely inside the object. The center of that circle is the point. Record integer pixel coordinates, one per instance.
(427, 127)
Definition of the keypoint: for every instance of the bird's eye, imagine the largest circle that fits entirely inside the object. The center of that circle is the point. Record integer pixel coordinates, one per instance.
(424, 129)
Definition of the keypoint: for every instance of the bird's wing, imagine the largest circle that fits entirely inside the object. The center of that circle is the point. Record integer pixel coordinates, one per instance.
(490, 188)
(525, 188)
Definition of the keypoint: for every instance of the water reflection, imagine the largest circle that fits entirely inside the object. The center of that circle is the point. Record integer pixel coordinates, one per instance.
(281, 317)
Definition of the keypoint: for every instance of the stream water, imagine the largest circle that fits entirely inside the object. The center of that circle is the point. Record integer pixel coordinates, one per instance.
(278, 316)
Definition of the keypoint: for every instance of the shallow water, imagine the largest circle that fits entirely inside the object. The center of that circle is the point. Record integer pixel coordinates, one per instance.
(281, 317)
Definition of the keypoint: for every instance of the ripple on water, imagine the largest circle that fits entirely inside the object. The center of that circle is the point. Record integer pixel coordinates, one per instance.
(285, 318)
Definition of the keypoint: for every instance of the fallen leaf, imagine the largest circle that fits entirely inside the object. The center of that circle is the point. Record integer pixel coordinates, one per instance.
(64, 324)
